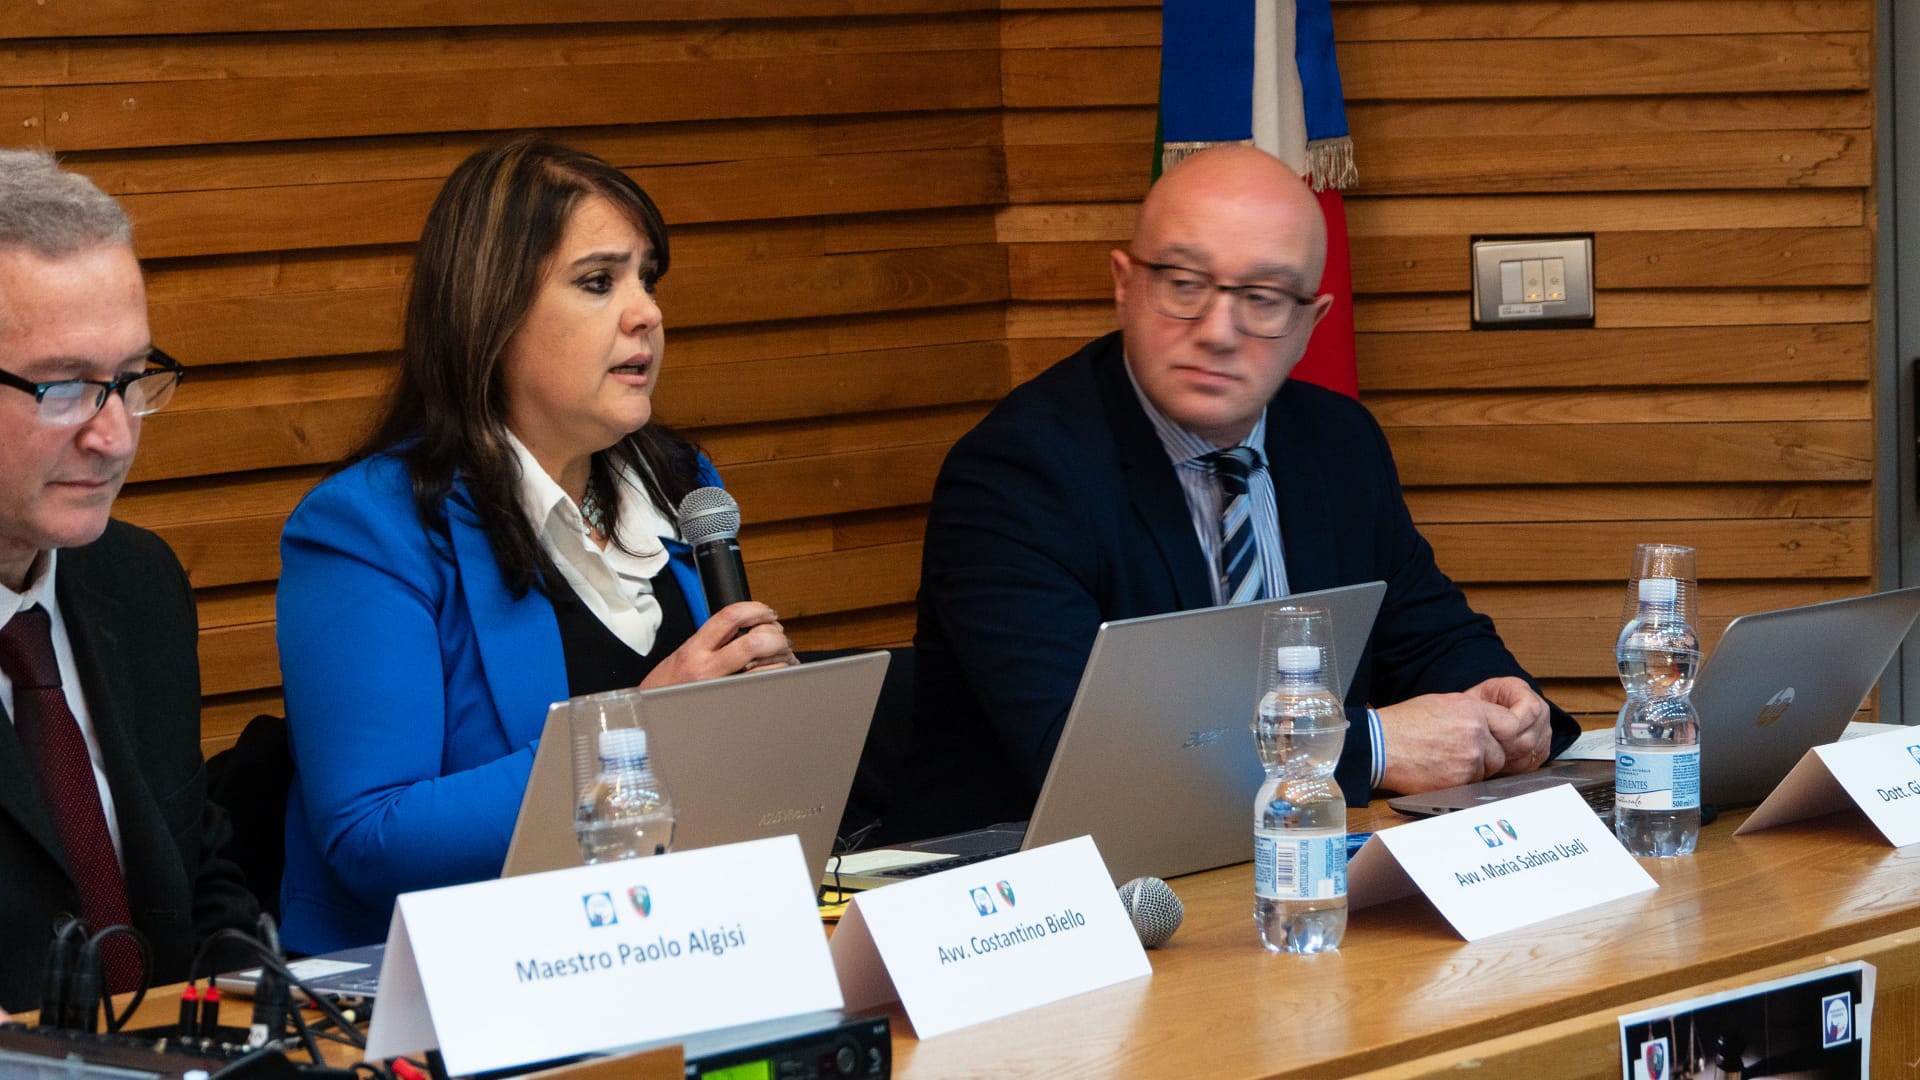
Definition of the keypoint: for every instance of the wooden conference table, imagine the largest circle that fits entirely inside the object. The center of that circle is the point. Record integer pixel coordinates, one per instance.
(1405, 997)
(1404, 986)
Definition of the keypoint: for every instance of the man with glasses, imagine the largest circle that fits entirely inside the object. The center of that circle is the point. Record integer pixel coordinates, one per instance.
(1172, 466)
(103, 809)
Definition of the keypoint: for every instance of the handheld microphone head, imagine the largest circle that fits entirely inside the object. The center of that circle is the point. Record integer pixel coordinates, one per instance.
(1155, 910)
(708, 513)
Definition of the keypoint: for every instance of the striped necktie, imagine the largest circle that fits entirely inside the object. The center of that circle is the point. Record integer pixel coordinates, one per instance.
(1241, 579)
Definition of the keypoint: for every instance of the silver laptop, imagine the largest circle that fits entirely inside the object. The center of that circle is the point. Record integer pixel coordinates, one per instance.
(349, 977)
(749, 756)
(1777, 684)
(1156, 760)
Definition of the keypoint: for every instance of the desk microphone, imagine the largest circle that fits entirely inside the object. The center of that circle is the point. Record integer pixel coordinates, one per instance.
(710, 523)
(1155, 910)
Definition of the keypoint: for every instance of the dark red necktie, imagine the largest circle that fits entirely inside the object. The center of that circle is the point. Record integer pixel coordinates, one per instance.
(58, 752)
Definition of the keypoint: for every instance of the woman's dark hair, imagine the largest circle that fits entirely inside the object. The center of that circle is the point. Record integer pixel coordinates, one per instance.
(480, 265)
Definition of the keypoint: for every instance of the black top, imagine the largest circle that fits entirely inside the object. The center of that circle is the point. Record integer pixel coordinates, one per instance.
(597, 660)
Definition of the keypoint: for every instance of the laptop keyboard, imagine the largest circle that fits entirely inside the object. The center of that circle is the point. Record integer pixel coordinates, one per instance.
(925, 868)
(1599, 797)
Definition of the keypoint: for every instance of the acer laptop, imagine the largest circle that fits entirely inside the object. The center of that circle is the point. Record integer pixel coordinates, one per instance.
(1157, 759)
(1777, 684)
(759, 754)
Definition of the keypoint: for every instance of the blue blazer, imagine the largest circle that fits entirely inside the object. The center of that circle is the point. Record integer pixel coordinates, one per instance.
(416, 687)
(1061, 511)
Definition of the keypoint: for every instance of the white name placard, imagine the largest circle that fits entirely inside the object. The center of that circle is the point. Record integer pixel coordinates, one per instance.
(526, 969)
(1880, 774)
(1503, 865)
(990, 939)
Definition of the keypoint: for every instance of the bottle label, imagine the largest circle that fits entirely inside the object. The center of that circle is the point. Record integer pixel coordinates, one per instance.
(1289, 866)
(1656, 778)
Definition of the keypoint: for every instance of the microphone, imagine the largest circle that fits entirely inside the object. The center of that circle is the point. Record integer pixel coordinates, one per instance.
(1155, 910)
(710, 523)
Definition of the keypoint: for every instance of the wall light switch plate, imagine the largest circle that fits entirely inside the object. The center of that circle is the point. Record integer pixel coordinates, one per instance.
(1535, 283)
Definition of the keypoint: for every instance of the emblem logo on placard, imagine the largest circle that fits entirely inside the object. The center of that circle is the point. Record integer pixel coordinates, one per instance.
(1487, 834)
(1836, 1028)
(642, 900)
(1507, 827)
(983, 900)
(1654, 1056)
(1915, 751)
(1006, 893)
(600, 909)
(1774, 709)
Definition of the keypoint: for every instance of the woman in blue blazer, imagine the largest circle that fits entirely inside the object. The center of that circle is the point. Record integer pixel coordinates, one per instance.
(502, 541)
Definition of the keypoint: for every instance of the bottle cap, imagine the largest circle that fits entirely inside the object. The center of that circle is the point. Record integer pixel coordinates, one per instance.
(1297, 659)
(1658, 590)
(623, 744)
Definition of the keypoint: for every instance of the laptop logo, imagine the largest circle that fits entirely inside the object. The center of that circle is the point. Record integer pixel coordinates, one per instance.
(798, 813)
(600, 909)
(1198, 739)
(982, 900)
(1775, 708)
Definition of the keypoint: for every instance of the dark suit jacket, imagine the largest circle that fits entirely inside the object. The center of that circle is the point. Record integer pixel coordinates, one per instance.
(130, 616)
(1061, 510)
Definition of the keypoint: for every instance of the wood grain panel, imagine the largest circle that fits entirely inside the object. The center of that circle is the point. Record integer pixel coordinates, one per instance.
(1809, 548)
(1619, 453)
(1662, 405)
(1580, 117)
(1684, 356)
(390, 212)
(1606, 161)
(486, 49)
(1619, 308)
(1640, 260)
(1638, 502)
(1590, 66)
(1080, 29)
(1479, 19)
(195, 112)
(1433, 214)
(72, 18)
(1062, 173)
(433, 156)
(1078, 78)
(836, 385)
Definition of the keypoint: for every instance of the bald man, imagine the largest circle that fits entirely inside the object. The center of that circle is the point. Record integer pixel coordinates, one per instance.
(1095, 491)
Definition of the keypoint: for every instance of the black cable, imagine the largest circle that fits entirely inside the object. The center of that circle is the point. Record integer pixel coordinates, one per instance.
(267, 960)
(68, 932)
(115, 1023)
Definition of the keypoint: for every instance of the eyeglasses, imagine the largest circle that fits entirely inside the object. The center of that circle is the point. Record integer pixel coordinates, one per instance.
(1262, 311)
(76, 401)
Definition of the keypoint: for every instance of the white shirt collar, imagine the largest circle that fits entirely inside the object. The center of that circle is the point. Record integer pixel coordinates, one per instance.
(615, 584)
(1184, 446)
(39, 589)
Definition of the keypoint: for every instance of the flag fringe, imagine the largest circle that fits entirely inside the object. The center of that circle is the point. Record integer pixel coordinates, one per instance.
(1174, 153)
(1330, 164)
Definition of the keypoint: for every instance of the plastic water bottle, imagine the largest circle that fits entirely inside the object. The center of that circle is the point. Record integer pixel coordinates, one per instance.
(625, 813)
(1657, 738)
(1299, 816)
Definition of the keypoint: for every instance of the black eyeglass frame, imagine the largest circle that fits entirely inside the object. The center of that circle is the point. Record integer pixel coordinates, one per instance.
(1231, 290)
(107, 387)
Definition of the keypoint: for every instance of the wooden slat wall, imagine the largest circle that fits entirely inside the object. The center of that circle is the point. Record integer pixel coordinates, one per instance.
(835, 312)
(886, 211)
(1720, 151)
